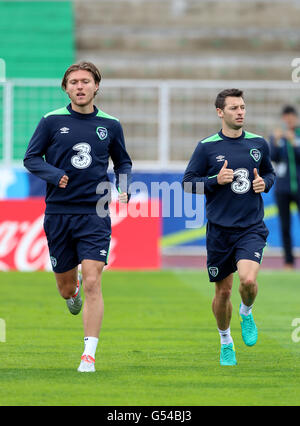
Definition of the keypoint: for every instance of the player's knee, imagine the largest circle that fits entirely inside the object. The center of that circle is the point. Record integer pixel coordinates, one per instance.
(91, 285)
(248, 281)
(66, 292)
(224, 293)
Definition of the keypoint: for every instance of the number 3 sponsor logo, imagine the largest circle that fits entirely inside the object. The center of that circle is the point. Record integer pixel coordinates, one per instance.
(242, 184)
(82, 159)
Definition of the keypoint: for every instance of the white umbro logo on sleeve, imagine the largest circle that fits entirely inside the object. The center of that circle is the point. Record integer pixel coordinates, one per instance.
(64, 130)
(220, 158)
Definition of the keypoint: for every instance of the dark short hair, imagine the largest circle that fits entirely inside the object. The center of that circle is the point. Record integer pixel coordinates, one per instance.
(289, 109)
(87, 66)
(220, 99)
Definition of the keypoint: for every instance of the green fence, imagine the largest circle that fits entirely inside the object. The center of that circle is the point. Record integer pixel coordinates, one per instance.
(36, 42)
(36, 38)
(30, 104)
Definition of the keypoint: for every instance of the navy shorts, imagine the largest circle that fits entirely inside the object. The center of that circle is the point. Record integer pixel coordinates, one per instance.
(226, 246)
(73, 238)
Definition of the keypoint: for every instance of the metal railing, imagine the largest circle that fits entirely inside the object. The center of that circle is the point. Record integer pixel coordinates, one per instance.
(162, 120)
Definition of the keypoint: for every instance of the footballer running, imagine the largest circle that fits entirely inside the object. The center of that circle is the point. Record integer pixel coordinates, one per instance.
(70, 150)
(235, 168)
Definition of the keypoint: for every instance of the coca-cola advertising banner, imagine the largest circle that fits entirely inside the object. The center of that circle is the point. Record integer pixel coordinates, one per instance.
(23, 244)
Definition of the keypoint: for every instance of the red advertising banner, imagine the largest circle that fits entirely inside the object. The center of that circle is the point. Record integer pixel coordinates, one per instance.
(23, 244)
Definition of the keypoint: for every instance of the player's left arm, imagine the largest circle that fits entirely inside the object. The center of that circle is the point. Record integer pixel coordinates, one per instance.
(264, 176)
(122, 163)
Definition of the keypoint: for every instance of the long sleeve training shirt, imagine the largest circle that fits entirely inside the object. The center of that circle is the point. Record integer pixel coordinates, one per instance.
(66, 142)
(234, 204)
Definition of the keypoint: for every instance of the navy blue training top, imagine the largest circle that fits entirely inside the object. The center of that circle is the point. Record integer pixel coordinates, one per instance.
(66, 142)
(287, 164)
(234, 204)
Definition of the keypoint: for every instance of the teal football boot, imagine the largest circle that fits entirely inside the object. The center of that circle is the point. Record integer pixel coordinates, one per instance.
(249, 329)
(227, 356)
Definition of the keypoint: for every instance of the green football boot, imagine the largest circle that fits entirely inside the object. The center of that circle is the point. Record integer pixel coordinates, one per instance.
(227, 356)
(249, 329)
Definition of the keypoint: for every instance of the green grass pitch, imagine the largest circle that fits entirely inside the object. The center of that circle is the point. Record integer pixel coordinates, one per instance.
(159, 344)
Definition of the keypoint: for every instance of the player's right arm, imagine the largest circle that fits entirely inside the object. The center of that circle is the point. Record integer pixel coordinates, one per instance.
(197, 172)
(34, 161)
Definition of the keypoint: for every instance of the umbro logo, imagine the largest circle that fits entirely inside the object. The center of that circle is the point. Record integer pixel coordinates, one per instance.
(64, 130)
(220, 158)
(103, 252)
(256, 254)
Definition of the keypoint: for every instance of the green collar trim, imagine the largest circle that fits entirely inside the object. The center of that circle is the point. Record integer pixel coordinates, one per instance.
(104, 115)
(213, 138)
(249, 135)
(60, 111)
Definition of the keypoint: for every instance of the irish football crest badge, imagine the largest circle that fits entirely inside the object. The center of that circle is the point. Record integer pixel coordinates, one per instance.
(213, 270)
(102, 133)
(255, 154)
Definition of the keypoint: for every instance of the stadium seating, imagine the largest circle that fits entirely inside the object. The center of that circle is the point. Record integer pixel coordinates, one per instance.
(140, 39)
(210, 39)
